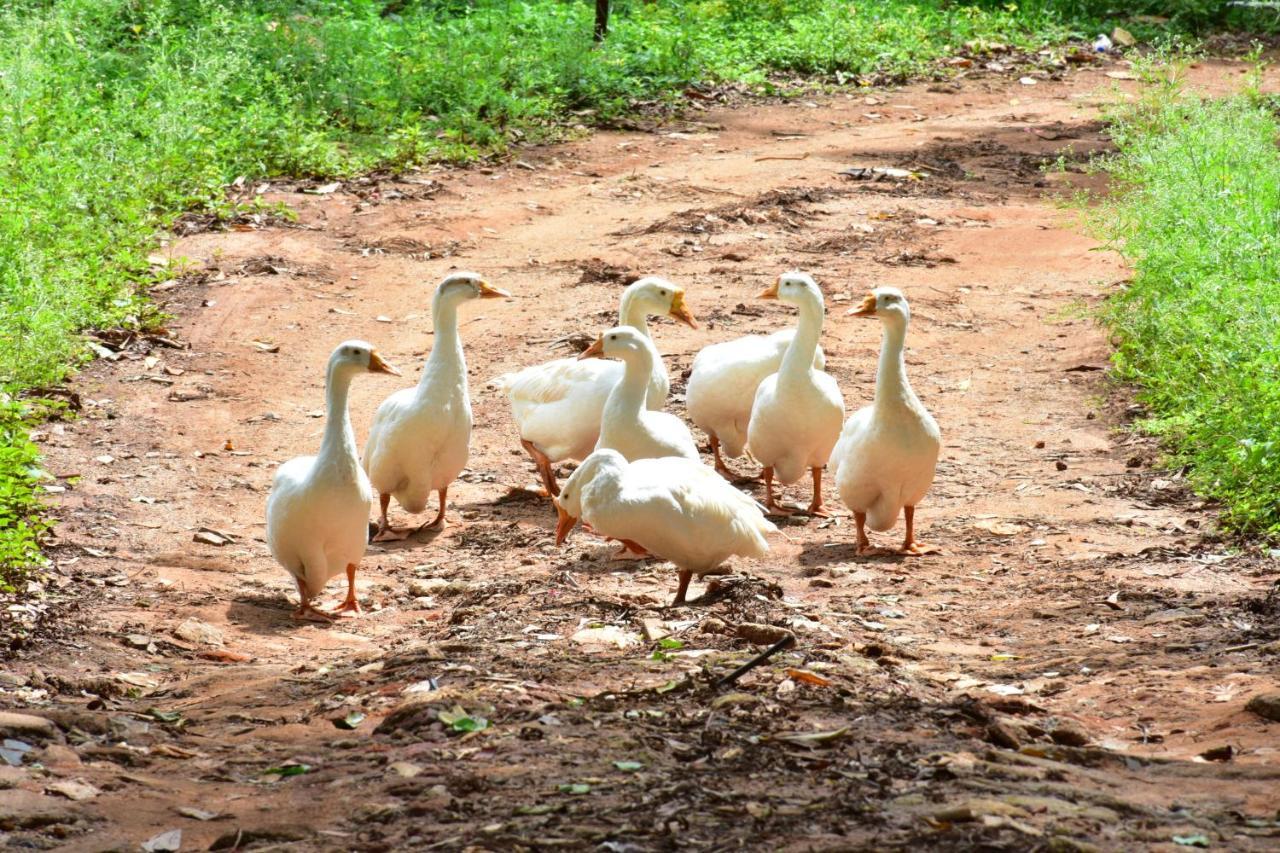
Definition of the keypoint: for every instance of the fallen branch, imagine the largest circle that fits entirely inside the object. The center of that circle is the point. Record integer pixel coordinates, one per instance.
(785, 643)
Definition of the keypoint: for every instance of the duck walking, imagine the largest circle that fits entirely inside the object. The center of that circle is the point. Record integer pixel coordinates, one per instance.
(675, 508)
(420, 437)
(888, 451)
(318, 512)
(797, 412)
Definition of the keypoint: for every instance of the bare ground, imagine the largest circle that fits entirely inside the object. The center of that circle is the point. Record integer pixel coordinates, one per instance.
(1050, 681)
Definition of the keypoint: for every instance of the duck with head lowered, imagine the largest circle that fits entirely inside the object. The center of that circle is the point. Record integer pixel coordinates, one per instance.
(558, 405)
(420, 438)
(888, 451)
(677, 509)
(797, 412)
(318, 512)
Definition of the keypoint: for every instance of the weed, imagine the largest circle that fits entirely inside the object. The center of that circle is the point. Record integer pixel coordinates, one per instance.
(1195, 208)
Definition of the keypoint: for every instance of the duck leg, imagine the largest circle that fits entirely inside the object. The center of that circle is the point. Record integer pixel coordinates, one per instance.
(439, 519)
(685, 577)
(721, 468)
(544, 467)
(305, 611)
(630, 551)
(771, 506)
(385, 533)
(349, 605)
(815, 506)
(909, 545)
(864, 544)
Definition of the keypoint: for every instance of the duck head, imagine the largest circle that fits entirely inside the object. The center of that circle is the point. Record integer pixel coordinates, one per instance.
(569, 503)
(795, 287)
(461, 286)
(659, 297)
(622, 342)
(357, 356)
(886, 303)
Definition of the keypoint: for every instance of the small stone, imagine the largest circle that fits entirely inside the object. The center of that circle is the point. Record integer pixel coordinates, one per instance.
(1265, 705)
(73, 789)
(406, 769)
(19, 726)
(456, 588)
(606, 635)
(195, 631)
(21, 809)
(654, 629)
(1003, 734)
(712, 625)
(764, 635)
(1070, 734)
(55, 756)
(419, 587)
(1060, 465)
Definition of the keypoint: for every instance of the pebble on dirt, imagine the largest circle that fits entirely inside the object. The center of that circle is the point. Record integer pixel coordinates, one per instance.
(1265, 705)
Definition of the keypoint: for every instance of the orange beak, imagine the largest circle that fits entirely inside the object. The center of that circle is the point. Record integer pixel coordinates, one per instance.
(564, 524)
(770, 292)
(679, 311)
(596, 350)
(488, 291)
(867, 308)
(377, 365)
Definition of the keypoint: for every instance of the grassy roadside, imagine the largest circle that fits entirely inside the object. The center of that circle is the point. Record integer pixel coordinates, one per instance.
(1196, 211)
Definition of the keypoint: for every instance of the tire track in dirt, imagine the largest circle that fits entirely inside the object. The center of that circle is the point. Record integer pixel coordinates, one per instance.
(1054, 673)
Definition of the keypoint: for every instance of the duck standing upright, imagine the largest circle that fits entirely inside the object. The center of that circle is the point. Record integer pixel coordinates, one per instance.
(626, 425)
(888, 451)
(420, 437)
(318, 511)
(678, 509)
(558, 405)
(722, 386)
(797, 412)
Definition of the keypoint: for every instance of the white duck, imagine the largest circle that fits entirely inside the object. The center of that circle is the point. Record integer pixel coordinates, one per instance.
(558, 405)
(722, 387)
(678, 509)
(420, 437)
(626, 425)
(888, 451)
(797, 412)
(318, 512)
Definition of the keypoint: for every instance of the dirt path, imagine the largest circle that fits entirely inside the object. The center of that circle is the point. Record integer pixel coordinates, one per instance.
(1047, 682)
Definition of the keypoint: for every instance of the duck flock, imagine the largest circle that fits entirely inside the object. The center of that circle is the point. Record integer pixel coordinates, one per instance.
(640, 479)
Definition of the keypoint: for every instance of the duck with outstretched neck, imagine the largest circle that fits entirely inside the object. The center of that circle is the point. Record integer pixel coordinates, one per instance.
(888, 451)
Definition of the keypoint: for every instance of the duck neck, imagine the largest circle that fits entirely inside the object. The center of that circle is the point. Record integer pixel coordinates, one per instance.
(631, 313)
(339, 442)
(628, 397)
(446, 357)
(891, 374)
(798, 360)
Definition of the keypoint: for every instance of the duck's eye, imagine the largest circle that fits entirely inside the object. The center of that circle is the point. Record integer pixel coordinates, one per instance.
(663, 292)
(613, 337)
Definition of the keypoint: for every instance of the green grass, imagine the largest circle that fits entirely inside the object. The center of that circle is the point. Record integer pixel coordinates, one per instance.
(1196, 211)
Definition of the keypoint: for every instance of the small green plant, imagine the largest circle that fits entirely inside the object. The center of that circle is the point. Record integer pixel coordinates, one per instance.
(20, 524)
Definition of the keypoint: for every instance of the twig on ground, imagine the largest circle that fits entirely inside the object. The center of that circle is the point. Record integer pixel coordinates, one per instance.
(785, 643)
